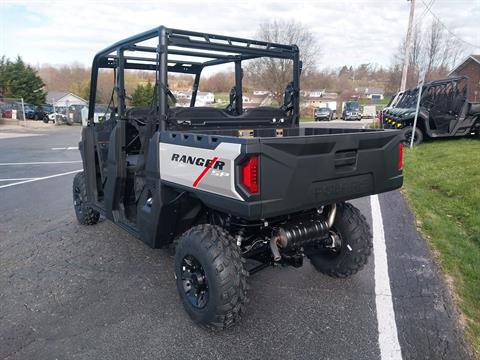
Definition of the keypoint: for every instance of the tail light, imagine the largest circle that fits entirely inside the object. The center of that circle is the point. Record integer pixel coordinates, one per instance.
(400, 156)
(249, 174)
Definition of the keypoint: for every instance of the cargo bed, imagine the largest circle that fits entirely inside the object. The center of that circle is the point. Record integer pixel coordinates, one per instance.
(299, 168)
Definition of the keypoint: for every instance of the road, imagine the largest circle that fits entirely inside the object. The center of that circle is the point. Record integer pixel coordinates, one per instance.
(70, 291)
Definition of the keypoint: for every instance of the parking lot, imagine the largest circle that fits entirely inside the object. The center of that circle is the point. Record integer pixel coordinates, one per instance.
(69, 291)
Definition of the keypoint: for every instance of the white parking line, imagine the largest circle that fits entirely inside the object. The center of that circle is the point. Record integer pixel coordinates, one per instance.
(42, 163)
(17, 179)
(17, 135)
(40, 178)
(387, 327)
(66, 148)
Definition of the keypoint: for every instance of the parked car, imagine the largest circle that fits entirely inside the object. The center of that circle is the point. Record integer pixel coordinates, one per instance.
(6, 110)
(42, 111)
(351, 111)
(55, 118)
(29, 111)
(323, 113)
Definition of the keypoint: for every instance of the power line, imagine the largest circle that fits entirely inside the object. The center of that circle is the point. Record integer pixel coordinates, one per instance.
(427, 8)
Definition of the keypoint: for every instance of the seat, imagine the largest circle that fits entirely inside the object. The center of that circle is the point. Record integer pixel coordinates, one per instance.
(232, 106)
(196, 113)
(264, 113)
(139, 113)
(443, 122)
(474, 109)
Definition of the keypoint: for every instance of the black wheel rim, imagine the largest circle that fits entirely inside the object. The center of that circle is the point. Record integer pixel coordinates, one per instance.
(408, 137)
(194, 281)
(77, 200)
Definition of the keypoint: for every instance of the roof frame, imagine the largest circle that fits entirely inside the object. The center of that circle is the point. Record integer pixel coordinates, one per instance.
(218, 49)
(209, 49)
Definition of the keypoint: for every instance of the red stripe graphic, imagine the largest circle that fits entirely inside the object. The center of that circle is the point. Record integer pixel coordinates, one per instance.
(204, 172)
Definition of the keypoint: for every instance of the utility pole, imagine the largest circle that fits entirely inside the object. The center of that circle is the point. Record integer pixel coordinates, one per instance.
(408, 44)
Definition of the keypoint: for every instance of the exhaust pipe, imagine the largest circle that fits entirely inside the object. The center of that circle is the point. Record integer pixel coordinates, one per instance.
(279, 239)
(331, 215)
(300, 233)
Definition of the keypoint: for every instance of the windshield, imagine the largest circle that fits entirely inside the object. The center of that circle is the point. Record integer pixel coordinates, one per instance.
(394, 100)
(352, 106)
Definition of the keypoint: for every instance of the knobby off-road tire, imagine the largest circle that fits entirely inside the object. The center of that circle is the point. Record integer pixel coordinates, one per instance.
(407, 135)
(85, 214)
(217, 260)
(355, 244)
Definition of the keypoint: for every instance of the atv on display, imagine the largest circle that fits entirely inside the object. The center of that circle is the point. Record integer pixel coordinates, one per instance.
(444, 111)
(233, 190)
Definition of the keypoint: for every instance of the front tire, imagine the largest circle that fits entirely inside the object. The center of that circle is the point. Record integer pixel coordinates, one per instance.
(408, 133)
(85, 214)
(354, 244)
(210, 276)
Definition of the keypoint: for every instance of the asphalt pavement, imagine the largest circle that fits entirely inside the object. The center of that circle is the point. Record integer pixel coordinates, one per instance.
(95, 292)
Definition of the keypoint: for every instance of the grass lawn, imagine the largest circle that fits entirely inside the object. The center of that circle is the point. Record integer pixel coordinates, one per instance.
(222, 97)
(442, 185)
(306, 118)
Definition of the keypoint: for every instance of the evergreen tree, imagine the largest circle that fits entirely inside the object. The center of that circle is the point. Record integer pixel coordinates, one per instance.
(143, 95)
(19, 80)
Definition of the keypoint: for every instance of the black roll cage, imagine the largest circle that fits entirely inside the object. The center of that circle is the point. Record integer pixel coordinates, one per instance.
(218, 49)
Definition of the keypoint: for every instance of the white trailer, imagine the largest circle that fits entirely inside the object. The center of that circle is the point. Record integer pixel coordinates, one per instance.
(332, 105)
(369, 111)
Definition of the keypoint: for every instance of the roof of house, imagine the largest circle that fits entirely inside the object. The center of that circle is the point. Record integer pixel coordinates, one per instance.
(474, 58)
(54, 96)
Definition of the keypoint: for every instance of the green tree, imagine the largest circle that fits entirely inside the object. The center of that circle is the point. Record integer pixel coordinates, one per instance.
(19, 80)
(3, 86)
(81, 88)
(143, 95)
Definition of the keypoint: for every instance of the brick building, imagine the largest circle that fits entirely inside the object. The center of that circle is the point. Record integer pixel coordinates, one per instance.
(470, 68)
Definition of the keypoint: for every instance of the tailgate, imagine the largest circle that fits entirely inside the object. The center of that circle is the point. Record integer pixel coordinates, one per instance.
(299, 173)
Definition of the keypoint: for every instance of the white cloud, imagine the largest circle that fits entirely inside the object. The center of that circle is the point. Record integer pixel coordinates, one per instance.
(349, 32)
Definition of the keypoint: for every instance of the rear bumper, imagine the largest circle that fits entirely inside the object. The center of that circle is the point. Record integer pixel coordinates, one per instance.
(317, 194)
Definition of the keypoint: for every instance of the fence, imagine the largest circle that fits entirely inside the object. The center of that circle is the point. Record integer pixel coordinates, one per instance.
(15, 109)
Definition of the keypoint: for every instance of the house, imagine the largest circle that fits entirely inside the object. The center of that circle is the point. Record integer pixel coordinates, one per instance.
(64, 99)
(261, 92)
(316, 98)
(254, 100)
(205, 97)
(370, 92)
(470, 67)
(314, 93)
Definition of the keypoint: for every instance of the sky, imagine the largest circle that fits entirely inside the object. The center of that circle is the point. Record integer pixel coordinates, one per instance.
(348, 32)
